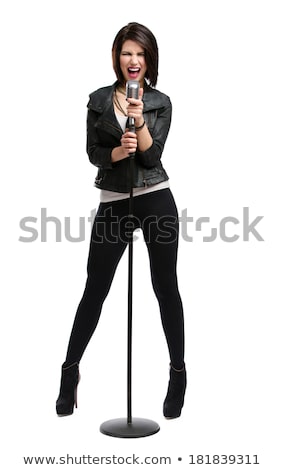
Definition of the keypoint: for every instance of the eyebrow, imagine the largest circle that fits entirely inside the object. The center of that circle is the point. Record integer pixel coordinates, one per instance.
(130, 52)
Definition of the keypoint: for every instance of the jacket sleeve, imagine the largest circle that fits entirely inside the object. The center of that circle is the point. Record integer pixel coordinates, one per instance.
(159, 134)
(98, 154)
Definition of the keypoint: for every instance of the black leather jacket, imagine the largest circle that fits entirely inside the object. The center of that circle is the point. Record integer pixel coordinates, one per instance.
(104, 133)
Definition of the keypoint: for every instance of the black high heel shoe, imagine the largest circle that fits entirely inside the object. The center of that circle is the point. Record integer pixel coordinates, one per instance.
(174, 400)
(68, 390)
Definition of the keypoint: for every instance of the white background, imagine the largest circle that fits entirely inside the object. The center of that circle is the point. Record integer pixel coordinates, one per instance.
(222, 64)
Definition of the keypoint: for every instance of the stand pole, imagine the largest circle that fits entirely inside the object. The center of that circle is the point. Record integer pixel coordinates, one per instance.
(130, 299)
(130, 427)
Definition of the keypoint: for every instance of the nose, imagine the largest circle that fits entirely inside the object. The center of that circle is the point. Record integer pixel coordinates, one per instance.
(134, 59)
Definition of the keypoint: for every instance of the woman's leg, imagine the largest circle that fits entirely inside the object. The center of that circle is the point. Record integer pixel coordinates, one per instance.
(108, 241)
(106, 248)
(161, 231)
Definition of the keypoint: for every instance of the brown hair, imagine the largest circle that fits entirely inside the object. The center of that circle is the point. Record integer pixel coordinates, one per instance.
(144, 37)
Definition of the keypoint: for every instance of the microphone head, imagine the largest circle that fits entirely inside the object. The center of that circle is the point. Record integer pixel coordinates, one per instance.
(132, 89)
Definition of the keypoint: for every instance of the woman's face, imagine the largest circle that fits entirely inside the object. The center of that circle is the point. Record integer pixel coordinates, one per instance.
(132, 61)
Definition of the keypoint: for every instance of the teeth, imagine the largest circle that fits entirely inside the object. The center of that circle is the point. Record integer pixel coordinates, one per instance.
(133, 69)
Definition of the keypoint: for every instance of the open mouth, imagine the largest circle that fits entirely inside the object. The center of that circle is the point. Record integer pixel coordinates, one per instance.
(133, 71)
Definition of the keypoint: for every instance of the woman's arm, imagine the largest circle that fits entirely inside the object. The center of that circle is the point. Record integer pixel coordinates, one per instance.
(98, 154)
(159, 133)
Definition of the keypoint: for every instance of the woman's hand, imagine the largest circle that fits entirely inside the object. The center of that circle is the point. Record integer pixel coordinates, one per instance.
(135, 109)
(129, 142)
(128, 146)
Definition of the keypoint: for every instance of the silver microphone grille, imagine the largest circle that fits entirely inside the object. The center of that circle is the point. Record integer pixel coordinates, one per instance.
(132, 89)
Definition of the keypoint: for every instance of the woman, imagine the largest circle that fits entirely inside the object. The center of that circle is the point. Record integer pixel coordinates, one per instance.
(109, 145)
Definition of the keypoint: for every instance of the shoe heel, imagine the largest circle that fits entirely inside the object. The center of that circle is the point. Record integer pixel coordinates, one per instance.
(76, 393)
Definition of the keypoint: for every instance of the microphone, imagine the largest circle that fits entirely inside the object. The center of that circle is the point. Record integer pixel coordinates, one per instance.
(132, 91)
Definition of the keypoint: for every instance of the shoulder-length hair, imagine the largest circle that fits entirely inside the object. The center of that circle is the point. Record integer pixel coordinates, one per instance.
(145, 38)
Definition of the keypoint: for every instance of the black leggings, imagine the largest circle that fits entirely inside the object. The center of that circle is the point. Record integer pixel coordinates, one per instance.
(156, 214)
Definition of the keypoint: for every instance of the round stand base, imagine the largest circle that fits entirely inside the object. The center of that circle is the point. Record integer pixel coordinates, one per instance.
(120, 427)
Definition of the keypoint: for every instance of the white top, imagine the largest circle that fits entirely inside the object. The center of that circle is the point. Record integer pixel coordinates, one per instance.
(108, 196)
(122, 120)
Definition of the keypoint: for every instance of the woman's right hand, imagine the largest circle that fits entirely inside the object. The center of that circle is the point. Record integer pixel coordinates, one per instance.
(129, 142)
(128, 146)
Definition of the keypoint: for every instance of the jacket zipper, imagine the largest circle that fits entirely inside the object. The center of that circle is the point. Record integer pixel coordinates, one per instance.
(144, 180)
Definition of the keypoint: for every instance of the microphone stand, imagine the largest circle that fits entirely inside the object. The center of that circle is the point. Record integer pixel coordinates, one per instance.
(130, 427)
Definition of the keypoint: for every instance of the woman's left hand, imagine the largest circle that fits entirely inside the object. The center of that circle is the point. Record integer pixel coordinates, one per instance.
(135, 109)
